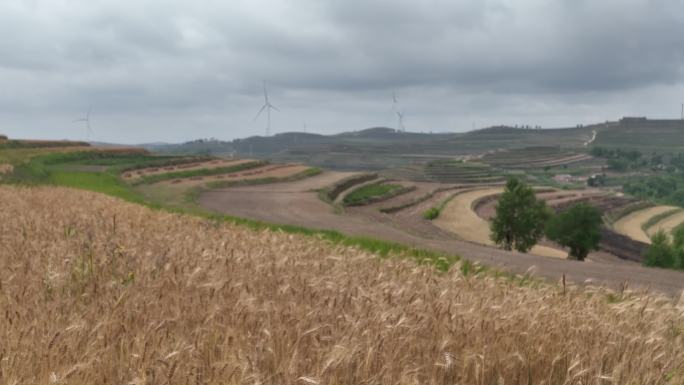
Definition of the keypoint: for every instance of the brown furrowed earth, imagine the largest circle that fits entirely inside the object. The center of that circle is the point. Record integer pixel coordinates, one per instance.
(206, 165)
(98, 291)
(269, 171)
(297, 203)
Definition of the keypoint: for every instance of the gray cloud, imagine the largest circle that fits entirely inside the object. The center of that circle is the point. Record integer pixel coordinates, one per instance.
(175, 70)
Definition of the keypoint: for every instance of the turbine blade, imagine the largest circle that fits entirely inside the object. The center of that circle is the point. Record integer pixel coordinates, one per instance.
(273, 107)
(90, 108)
(260, 111)
(265, 93)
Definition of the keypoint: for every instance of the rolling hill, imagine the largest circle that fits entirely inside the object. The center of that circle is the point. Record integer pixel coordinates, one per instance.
(382, 147)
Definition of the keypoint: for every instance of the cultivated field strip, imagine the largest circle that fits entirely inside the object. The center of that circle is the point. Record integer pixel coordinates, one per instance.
(96, 291)
(274, 171)
(534, 157)
(460, 218)
(191, 166)
(631, 225)
(668, 223)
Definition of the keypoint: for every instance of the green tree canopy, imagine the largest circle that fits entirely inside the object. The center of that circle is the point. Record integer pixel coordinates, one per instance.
(520, 217)
(661, 253)
(578, 228)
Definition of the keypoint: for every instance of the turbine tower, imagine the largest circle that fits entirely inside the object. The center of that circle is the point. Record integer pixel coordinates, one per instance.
(398, 112)
(86, 119)
(268, 107)
(400, 123)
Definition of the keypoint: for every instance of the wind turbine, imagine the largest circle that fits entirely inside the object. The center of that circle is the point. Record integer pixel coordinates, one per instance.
(400, 123)
(399, 113)
(87, 121)
(268, 107)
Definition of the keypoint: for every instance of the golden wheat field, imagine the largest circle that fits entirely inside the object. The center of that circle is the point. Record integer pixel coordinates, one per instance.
(97, 291)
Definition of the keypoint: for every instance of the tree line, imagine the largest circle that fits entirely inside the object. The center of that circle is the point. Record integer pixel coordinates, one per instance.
(522, 220)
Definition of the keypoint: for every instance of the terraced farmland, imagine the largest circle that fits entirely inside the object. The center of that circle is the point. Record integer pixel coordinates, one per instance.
(533, 157)
(183, 165)
(642, 134)
(459, 217)
(452, 171)
(632, 225)
(667, 223)
(267, 173)
(642, 224)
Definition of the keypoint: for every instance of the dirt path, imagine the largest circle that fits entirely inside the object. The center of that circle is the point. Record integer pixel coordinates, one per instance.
(296, 203)
(593, 138)
(630, 225)
(667, 224)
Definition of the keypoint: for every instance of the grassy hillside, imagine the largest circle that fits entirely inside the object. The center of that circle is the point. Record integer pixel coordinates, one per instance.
(645, 135)
(384, 147)
(379, 147)
(76, 170)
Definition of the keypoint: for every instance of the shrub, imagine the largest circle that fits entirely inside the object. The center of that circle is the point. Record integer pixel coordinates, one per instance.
(431, 213)
(660, 253)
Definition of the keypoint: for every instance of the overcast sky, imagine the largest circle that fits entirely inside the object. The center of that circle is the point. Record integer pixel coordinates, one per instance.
(172, 70)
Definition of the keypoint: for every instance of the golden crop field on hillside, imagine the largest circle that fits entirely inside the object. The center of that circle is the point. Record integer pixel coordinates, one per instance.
(97, 291)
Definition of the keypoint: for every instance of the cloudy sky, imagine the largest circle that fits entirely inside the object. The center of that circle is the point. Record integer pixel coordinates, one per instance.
(172, 70)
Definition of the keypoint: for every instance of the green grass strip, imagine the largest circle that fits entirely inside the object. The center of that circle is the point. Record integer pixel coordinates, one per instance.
(363, 194)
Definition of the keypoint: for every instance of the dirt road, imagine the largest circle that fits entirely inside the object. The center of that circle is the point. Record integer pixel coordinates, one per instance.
(296, 203)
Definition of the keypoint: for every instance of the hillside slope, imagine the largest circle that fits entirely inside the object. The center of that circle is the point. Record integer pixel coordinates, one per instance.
(642, 134)
(117, 293)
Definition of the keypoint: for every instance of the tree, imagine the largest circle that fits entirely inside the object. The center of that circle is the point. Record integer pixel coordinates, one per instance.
(578, 228)
(520, 217)
(661, 253)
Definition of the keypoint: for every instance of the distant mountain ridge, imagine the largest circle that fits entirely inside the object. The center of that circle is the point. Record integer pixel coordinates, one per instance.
(383, 146)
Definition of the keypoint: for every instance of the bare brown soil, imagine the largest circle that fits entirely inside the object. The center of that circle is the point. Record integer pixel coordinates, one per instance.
(6, 168)
(295, 203)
